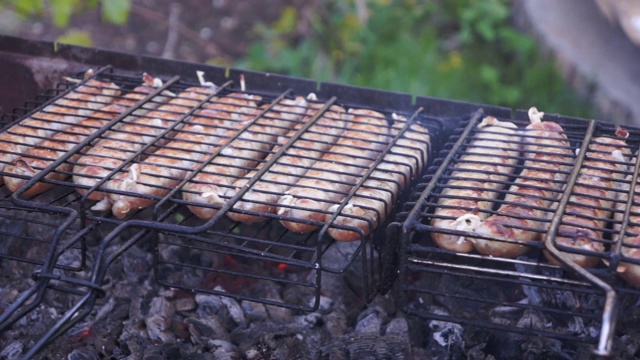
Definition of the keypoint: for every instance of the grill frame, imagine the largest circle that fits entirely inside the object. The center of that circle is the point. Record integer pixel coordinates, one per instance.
(417, 252)
(89, 289)
(83, 214)
(70, 60)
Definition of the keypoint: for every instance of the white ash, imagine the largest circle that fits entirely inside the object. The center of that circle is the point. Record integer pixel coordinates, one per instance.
(12, 351)
(370, 320)
(185, 304)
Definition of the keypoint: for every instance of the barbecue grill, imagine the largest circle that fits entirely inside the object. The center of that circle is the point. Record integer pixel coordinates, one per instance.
(573, 302)
(75, 245)
(225, 249)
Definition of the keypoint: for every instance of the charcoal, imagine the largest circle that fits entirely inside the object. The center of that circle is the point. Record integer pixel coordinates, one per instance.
(203, 329)
(162, 307)
(398, 326)
(83, 354)
(223, 350)
(284, 342)
(12, 351)
(208, 304)
(185, 304)
(307, 321)
(158, 329)
(254, 311)
(335, 323)
(446, 338)
(279, 314)
(163, 352)
(234, 310)
(370, 321)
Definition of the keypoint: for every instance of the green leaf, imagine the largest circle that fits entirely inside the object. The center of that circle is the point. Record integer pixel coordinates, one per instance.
(75, 37)
(61, 11)
(288, 20)
(116, 11)
(27, 7)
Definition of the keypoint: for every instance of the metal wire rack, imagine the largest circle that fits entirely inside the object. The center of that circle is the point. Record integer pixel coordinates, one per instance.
(228, 250)
(562, 298)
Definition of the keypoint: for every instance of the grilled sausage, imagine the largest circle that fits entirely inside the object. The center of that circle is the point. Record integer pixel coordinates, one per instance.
(549, 159)
(286, 171)
(64, 112)
(329, 180)
(36, 159)
(372, 202)
(591, 201)
(489, 161)
(630, 238)
(630, 272)
(209, 186)
(122, 143)
(155, 176)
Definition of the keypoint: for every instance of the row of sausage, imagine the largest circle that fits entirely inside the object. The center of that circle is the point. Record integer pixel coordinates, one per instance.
(471, 214)
(216, 155)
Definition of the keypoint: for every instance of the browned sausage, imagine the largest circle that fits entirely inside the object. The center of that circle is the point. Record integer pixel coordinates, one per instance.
(330, 179)
(549, 160)
(488, 162)
(592, 200)
(630, 238)
(155, 176)
(47, 152)
(121, 144)
(64, 112)
(264, 194)
(208, 187)
(373, 201)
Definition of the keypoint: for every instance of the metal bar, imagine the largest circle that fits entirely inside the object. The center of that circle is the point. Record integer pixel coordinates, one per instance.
(15, 312)
(56, 97)
(141, 151)
(493, 271)
(368, 173)
(70, 318)
(276, 157)
(416, 211)
(207, 161)
(617, 246)
(609, 315)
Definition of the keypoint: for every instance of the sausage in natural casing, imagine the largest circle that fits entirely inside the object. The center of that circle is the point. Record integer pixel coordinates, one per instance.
(630, 236)
(120, 144)
(330, 179)
(473, 186)
(63, 113)
(156, 175)
(286, 171)
(209, 186)
(523, 215)
(47, 152)
(373, 201)
(591, 200)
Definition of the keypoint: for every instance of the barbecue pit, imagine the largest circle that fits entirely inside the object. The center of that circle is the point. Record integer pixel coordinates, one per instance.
(75, 256)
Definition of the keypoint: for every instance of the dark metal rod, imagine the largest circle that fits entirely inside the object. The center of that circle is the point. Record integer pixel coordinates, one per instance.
(368, 173)
(209, 159)
(56, 98)
(605, 343)
(141, 151)
(617, 246)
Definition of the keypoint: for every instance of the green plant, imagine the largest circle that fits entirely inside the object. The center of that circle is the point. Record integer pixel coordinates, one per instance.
(461, 49)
